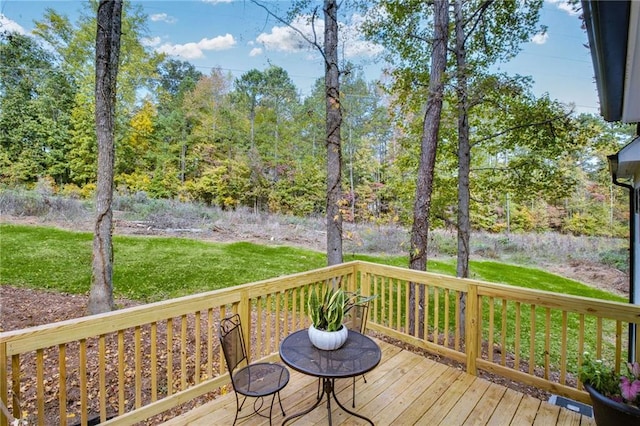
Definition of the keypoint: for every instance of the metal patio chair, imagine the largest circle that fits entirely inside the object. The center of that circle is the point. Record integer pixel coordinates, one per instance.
(256, 380)
(356, 319)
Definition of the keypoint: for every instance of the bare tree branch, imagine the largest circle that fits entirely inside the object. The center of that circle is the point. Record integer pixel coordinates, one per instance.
(313, 42)
(549, 122)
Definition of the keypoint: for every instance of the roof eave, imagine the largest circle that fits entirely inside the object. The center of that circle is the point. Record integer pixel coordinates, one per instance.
(607, 23)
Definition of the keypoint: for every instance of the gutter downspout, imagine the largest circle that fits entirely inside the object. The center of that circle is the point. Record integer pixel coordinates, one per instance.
(633, 206)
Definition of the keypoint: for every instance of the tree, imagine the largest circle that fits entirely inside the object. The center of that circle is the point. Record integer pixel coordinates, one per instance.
(215, 129)
(107, 60)
(429, 144)
(177, 80)
(35, 100)
(485, 31)
(280, 100)
(333, 124)
(403, 28)
(249, 88)
(73, 49)
(270, 98)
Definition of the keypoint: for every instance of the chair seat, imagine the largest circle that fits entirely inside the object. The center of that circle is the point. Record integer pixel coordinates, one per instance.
(261, 379)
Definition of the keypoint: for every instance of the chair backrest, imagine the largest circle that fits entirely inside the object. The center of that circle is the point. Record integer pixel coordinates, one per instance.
(232, 341)
(357, 317)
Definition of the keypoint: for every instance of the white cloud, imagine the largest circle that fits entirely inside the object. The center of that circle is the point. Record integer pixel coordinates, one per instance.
(540, 38)
(256, 51)
(151, 41)
(163, 17)
(286, 39)
(8, 25)
(354, 43)
(196, 50)
(565, 6)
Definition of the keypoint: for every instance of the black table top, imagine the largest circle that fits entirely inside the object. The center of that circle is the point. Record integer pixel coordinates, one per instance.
(357, 356)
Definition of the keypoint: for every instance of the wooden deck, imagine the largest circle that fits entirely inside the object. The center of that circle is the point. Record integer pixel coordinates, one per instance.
(404, 389)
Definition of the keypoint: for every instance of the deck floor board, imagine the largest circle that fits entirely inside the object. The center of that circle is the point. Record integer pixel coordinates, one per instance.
(405, 388)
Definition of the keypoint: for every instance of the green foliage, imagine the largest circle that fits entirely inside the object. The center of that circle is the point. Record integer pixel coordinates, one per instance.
(225, 185)
(599, 375)
(252, 142)
(299, 192)
(618, 259)
(326, 309)
(580, 224)
(35, 98)
(605, 380)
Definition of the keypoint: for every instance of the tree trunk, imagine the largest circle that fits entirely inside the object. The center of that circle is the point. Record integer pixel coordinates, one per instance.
(464, 158)
(429, 144)
(107, 57)
(333, 124)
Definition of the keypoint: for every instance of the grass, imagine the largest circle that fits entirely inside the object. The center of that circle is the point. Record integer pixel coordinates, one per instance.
(149, 269)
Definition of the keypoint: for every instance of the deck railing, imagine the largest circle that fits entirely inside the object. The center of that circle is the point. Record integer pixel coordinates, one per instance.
(129, 365)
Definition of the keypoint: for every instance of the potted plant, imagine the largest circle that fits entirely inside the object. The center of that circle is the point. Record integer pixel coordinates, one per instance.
(615, 397)
(326, 311)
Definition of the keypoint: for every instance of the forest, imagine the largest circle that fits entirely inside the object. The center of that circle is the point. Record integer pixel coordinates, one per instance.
(254, 141)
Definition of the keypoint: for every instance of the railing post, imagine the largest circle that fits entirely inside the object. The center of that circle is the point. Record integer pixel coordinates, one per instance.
(472, 335)
(244, 310)
(4, 400)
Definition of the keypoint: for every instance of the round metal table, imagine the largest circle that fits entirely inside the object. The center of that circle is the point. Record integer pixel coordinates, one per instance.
(359, 355)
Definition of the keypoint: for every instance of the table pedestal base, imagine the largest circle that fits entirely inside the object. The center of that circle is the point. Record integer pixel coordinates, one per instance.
(328, 388)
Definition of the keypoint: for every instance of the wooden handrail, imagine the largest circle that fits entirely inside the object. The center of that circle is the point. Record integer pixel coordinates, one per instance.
(513, 332)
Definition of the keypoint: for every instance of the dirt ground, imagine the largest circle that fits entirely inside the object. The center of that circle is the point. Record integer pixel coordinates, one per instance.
(21, 307)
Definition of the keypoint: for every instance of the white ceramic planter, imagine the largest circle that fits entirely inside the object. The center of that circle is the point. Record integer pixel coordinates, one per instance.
(328, 340)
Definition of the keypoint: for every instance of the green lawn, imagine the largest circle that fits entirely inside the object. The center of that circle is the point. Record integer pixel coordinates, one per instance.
(151, 268)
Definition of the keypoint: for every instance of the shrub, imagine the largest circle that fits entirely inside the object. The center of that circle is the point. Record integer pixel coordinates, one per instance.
(32, 203)
(618, 259)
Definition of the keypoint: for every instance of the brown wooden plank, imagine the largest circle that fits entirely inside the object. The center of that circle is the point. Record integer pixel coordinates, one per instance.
(483, 411)
(547, 414)
(527, 410)
(442, 407)
(568, 418)
(587, 421)
(428, 397)
(467, 403)
(407, 397)
(506, 409)
(381, 378)
(379, 392)
(389, 362)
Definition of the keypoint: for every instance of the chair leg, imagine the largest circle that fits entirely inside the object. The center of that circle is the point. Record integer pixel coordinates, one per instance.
(318, 394)
(280, 401)
(271, 408)
(238, 407)
(273, 398)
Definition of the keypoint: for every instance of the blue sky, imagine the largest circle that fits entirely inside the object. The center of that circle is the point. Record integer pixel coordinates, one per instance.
(238, 36)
